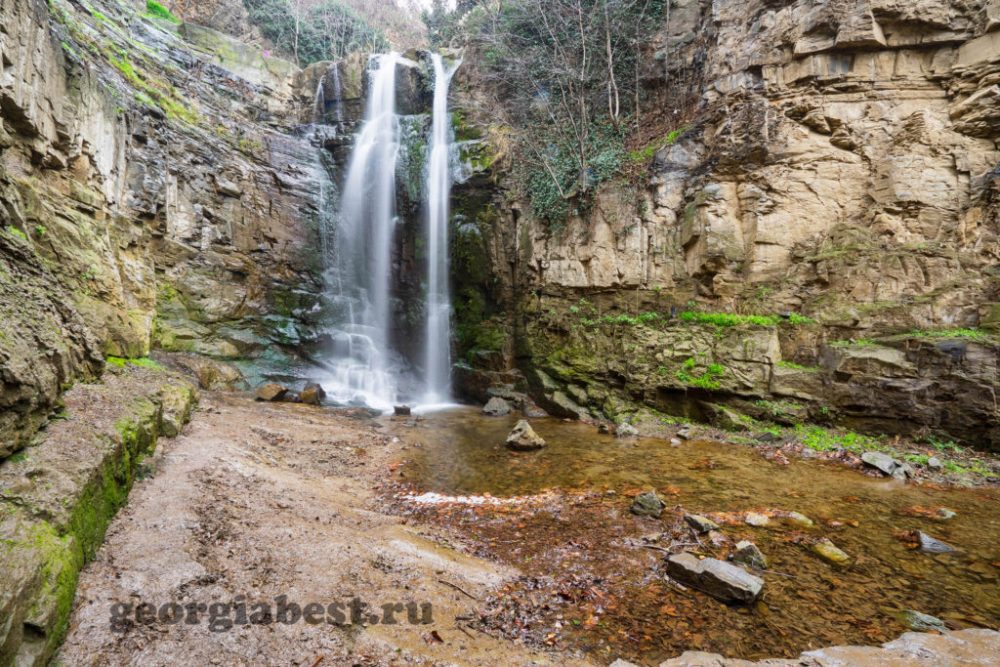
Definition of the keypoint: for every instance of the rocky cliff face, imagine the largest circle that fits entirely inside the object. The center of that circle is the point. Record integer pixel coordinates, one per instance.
(154, 194)
(837, 160)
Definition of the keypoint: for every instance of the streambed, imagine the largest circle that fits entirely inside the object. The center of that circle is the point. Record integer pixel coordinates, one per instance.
(593, 573)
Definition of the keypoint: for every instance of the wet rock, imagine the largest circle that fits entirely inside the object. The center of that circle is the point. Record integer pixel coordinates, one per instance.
(799, 519)
(932, 545)
(721, 580)
(647, 504)
(271, 391)
(945, 514)
(934, 463)
(675, 442)
(914, 620)
(748, 553)
(312, 394)
(402, 411)
(700, 523)
(830, 552)
(684, 433)
(756, 519)
(622, 663)
(496, 407)
(523, 438)
(886, 464)
(626, 430)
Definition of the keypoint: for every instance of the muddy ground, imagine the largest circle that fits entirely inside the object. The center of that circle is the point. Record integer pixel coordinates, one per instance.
(261, 500)
(255, 501)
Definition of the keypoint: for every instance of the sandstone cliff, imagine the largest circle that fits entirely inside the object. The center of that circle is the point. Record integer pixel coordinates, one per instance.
(836, 160)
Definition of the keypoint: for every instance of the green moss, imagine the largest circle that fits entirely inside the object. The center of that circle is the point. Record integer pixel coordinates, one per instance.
(62, 560)
(140, 362)
(709, 379)
(821, 439)
(16, 233)
(156, 10)
(797, 367)
(977, 335)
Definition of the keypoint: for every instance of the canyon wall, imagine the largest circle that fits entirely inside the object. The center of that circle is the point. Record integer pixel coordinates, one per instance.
(835, 163)
(153, 194)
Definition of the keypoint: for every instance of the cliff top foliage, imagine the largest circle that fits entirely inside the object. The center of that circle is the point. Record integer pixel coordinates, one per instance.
(311, 32)
(565, 74)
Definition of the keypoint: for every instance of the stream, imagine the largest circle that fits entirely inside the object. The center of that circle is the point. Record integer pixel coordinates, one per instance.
(593, 572)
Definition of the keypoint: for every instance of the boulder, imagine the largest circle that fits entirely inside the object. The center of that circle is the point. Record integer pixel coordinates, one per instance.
(747, 553)
(829, 552)
(721, 580)
(932, 545)
(919, 622)
(271, 391)
(312, 394)
(626, 430)
(700, 524)
(523, 438)
(496, 407)
(886, 464)
(402, 411)
(647, 504)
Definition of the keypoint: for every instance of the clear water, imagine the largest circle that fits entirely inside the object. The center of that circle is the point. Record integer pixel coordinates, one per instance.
(810, 604)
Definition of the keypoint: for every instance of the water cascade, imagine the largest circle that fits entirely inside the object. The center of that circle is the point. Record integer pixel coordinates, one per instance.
(437, 335)
(361, 364)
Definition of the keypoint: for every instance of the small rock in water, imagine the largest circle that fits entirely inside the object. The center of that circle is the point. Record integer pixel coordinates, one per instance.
(830, 552)
(622, 663)
(799, 519)
(684, 433)
(496, 407)
(919, 622)
(886, 464)
(402, 411)
(626, 430)
(312, 394)
(675, 442)
(700, 523)
(721, 580)
(272, 391)
(647, 504)
(747, 553)
(756, 519)
(523, 438)
(945, 514)
(932, 545)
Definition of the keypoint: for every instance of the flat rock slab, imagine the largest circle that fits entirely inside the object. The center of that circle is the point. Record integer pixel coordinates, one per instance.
(965, 648)
(58, 496)
(721, 580)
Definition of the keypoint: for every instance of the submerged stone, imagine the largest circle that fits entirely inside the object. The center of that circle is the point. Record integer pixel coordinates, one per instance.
(748, 553)
(932, 545)
(721, 580)
(700, 523)
(647, 504)
(523, 438)
(830, 552)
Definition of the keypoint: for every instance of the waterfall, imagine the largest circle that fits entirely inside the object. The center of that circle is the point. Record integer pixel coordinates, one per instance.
(437, 334)
(338, 93)
(360, 289)
(319, 105)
